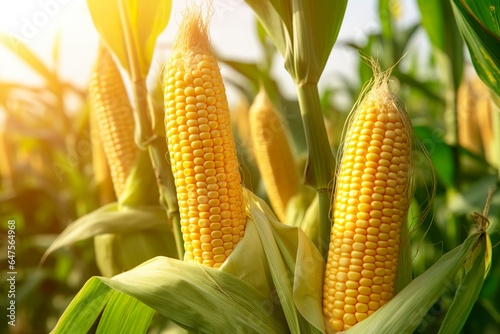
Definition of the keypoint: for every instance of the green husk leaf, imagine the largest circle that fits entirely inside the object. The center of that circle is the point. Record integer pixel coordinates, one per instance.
(85, 308)
(141, 188)
(116, 253)
(302, 211)
(199, 298)
(467, 292)
(145, 19)
(125, 314)
(478, 23)
(405, 311)
(275, 267)
(289, 265)
(296, 268)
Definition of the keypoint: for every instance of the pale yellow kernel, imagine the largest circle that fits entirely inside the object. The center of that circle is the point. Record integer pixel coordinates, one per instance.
(357, 255)
(350, 301)
(337, 325)
(338, 314)
(365, 282)
(349, 317)
(354, 276)
(373, 305)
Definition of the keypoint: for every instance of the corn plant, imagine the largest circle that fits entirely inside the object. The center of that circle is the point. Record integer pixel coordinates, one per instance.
(342, 248)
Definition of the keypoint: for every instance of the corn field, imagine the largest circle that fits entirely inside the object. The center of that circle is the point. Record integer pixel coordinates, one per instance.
(181, 190)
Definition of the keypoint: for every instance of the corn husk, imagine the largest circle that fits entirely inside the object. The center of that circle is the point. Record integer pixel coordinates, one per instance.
(271, 283)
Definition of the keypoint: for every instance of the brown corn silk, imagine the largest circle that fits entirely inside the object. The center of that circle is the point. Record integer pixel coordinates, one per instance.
(202, 149)
(273, 154)
(370, 205)
(114, 116)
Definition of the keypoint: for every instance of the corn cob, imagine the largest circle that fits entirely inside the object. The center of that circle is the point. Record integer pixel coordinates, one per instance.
(484, 113)
(110, 103)
(370, 205)
(273, 154)
(468, 131)
(202, 149)
(100, 166)
(240, 122)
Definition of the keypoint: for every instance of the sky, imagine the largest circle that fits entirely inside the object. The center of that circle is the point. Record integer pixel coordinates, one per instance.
(39, 22)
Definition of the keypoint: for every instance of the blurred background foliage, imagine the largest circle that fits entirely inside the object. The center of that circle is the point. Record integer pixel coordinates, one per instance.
(48, 181)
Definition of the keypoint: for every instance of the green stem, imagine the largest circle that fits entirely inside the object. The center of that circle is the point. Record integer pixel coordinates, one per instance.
(320, 165)
(143, 131)
(145, 137)
(450, 113)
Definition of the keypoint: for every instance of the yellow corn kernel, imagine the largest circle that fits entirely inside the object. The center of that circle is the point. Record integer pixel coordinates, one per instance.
(273, 154)
(111, 106)
(202, 149)
(370, 205)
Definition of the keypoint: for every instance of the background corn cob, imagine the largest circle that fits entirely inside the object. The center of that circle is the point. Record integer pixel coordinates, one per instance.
(110, 103)
(484, 114)
(100, 166)
(202, 148)
(371, 202)
(240, 120)
(273, 154)
(468, 131)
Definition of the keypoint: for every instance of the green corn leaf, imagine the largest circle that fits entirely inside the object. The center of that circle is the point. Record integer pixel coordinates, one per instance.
(120, 313)
(478, 22)
(276, 20)
(467, 292)
(444, 35)
(108, 219)
(441, 154)
(124, 314)
(83, 311)
(404, 312)
(303, 31)
(144, 21)
(472, 198)
(315, 31)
